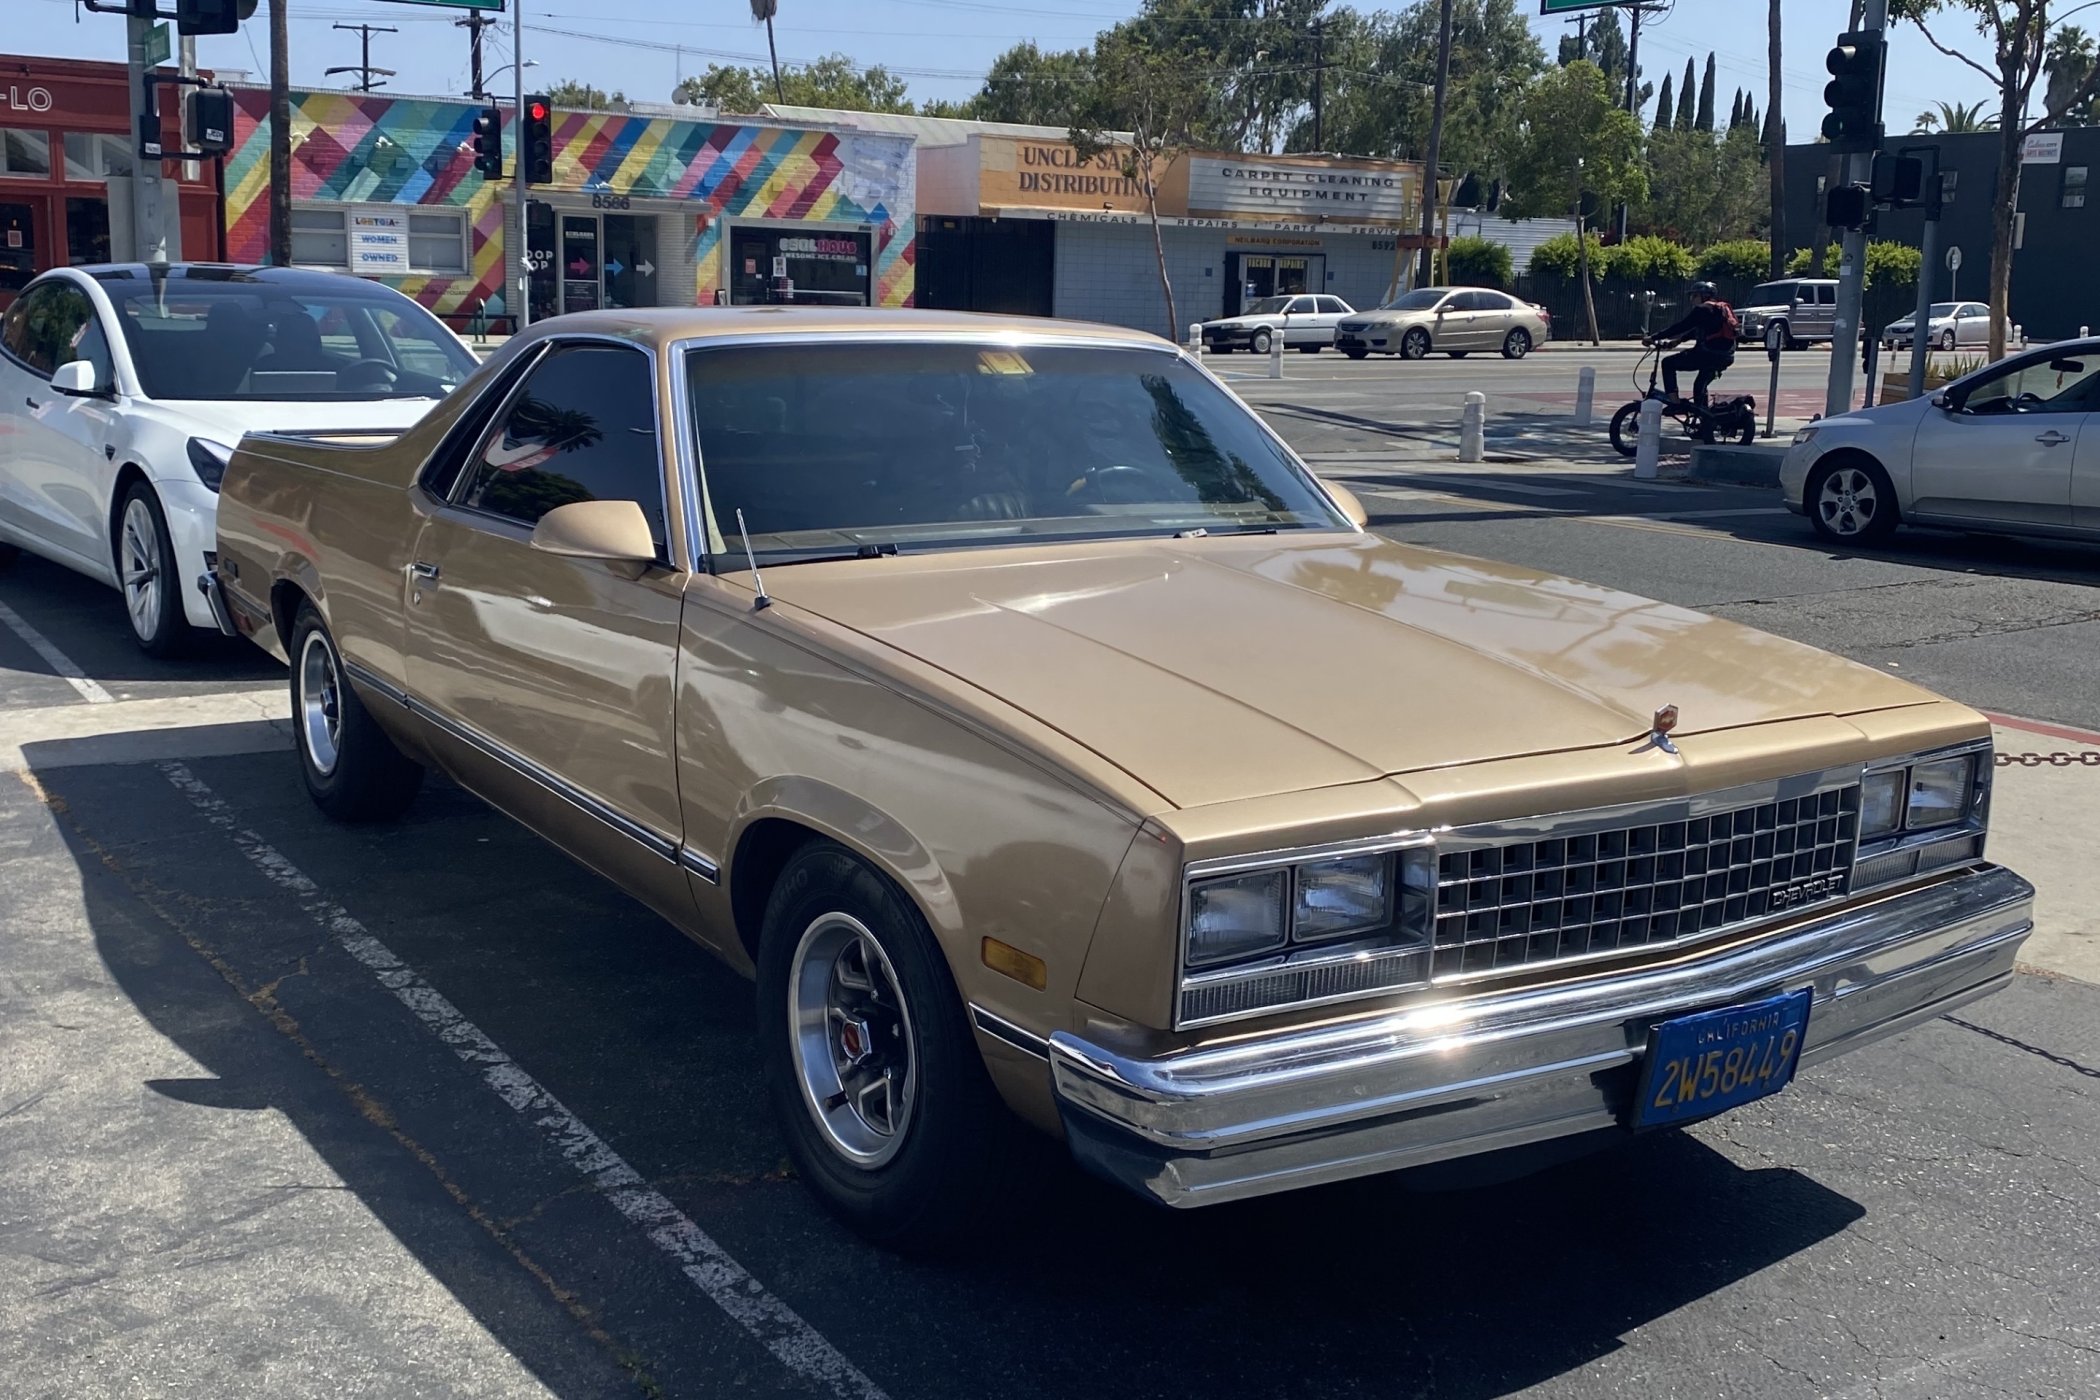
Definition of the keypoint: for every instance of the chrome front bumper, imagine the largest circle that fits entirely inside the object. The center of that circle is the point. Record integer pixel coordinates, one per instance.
(1481, 1073)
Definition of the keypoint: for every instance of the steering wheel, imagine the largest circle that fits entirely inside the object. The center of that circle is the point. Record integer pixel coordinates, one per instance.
(367, 374)
(1097, 481)
(2028, 399)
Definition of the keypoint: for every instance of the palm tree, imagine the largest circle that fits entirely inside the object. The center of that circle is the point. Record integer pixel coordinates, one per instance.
(765, 10)
(1954, 120)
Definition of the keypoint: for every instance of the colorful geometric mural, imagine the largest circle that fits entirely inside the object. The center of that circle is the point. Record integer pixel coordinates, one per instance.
(352, 148)
(754, 173)
(358, 148)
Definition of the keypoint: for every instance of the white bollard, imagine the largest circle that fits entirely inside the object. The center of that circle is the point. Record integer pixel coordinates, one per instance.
(2019, 335)
(1276, 355)
(2084, 331)
(1647, 454)
(1196, 339)
(1472, 428)
(1585, 395)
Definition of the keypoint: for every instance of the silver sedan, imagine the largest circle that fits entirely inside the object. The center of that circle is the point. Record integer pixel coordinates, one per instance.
(1953, 325)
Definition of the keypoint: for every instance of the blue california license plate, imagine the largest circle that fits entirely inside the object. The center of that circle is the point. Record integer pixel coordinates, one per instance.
(1701, 1065)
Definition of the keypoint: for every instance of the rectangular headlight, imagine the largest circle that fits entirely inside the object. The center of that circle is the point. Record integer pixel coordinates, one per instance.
(1234, 916)
(1336, 897)
(1939, 792)
(1881, 804)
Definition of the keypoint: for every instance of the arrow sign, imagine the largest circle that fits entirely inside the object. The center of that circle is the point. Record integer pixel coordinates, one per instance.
(580, 267)
(646, 268)
(616, 267)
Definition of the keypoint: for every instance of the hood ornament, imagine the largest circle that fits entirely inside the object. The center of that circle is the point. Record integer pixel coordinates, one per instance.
(1659, 731)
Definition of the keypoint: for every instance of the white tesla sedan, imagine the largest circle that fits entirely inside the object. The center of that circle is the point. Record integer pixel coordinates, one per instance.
(124, 387)
(2013, 448)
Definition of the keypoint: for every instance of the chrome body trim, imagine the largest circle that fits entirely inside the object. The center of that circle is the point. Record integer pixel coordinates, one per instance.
(700, 865)
(1001, 1029)
(647, 837)
(214, 592)
(1469, 1074)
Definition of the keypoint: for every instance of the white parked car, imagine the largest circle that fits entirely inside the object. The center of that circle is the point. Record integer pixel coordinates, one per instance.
(1304, 322)
(1953, 325)
(2013, 448)
(124, 388)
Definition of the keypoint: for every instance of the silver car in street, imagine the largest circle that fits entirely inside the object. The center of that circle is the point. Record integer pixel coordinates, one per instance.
(2013, 448)
(1954, 324)
(1452, 321)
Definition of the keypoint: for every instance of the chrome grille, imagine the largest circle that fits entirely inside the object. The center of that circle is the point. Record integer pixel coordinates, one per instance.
(1603, 886)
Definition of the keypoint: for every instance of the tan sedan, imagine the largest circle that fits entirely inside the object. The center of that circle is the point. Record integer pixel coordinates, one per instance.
(1452, 321)
(1046, 741)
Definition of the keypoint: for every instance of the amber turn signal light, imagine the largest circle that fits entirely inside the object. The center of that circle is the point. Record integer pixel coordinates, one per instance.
(1025, 968)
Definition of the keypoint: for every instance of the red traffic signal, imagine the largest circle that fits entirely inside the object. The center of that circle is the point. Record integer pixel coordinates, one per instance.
(536, 142)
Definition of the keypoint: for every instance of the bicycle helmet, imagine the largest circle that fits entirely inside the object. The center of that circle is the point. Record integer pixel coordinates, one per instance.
(1705, 289)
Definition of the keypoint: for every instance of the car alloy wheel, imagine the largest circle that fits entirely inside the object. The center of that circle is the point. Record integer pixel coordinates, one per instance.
(139, 556)
(1262, 341)
(1849, 503)
(1946, 340)
(1415, 344)
(1517, 344)
(320, 703)
(853, 1043)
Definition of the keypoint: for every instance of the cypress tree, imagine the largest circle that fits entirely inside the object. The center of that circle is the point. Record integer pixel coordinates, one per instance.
(1706, 97)
(1666, 106)
(1688, 98)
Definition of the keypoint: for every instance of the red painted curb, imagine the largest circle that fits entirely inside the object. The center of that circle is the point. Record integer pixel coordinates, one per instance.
(2035, 726)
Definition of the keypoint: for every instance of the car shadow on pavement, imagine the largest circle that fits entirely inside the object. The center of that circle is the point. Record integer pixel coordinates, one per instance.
(85, 620)
(1367, 1288)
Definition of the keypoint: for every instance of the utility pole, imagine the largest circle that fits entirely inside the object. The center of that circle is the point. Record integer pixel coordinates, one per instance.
(474, 22)
(1852, 263)
(150, 195)
(520, 258)
(1319, 81)
(1433, 157)
(1633, 87)
(280, 134)
(365, 70)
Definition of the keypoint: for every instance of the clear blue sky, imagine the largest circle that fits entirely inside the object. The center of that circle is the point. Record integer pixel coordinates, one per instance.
(941, 46)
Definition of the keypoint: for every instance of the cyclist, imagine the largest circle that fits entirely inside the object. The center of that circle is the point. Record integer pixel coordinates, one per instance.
(1711, 327)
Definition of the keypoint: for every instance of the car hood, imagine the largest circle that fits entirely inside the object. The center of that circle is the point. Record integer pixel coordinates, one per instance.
(228, 420)
(1220, 669)
(1879, 416)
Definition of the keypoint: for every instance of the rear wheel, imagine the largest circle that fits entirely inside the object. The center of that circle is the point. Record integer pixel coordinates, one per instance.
(1851, 501)
(353, 771)
(1262, 341)
(1415, 344)
(1626, 428)
(149, 575)
(1310, 349)
(1356, 354)
(1517, 344)
(875, 1077)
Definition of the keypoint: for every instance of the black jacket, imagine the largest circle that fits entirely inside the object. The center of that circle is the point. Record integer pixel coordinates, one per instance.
(1705, 326)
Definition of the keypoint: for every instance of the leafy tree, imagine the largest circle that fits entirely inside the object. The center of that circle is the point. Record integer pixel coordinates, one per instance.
(1702, 189)
(1035, 88)
(832, 81)
(2018, 37)
(1888, 263)
(2069, 67)
(1666, 106)
(1648, 258)
(1737, 260)
(583, 97)
(1604, 44)
(1688, 99)
(1572, 140)
(1562, 256)
(1706, 96)
(1735, 111)
(1478, 262)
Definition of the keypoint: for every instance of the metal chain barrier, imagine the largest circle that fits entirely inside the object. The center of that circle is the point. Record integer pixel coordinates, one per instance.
(2085, 758)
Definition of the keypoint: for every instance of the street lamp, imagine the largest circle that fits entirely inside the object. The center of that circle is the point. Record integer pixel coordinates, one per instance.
(529, 63)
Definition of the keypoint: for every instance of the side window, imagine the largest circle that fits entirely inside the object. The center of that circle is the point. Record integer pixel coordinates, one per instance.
(1493, 301)
(1334, 306)
(1300, 306)
(46, 324)
(1826, 296)
(583, 428)
(1469, 301)
(2043, 384)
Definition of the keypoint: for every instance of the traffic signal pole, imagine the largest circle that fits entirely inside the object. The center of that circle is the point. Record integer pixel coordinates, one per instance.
(1930, 249)
(518, 258)
(1852, 264)
(156, 235)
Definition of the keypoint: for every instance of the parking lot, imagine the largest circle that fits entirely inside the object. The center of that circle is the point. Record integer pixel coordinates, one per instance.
(293, 1109)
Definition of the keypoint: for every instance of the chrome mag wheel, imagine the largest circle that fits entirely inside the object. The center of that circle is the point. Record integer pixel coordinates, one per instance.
(852, 1039)
(320, 703)
(141, 563)
(1848, 502)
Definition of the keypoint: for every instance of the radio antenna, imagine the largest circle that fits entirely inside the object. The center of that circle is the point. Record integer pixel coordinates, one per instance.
(761, 602)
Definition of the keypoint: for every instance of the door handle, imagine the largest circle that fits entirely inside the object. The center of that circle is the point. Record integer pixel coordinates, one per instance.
(2052, 438)
(424, 573)
(32, 403)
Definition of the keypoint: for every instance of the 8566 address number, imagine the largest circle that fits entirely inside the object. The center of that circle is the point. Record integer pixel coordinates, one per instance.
(611, 201)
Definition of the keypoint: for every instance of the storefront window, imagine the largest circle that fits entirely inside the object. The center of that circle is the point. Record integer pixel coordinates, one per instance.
(25, 153)
(807, 267)
(434, 242)
(92, 157)
(437, 240)
(318, 238)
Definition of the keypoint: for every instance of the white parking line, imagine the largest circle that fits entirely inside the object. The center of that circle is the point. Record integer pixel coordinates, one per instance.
(60, 663)
(775, 1325)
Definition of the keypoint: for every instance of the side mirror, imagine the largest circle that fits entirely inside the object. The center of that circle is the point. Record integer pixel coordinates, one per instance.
(1346, 499)
(77, 379)
(1945, 402)
(615, 533)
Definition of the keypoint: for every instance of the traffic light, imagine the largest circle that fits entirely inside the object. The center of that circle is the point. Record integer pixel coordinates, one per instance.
(488, 143)
(1899, 181)
(1854, 92)
(211, 16)
(209, 120)
(536, 141)
(1847, 206)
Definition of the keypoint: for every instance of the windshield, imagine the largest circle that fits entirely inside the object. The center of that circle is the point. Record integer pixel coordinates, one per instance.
(837, 448)
(254, 340)
(1424, 299)
(1267, 306)
(1941, 309)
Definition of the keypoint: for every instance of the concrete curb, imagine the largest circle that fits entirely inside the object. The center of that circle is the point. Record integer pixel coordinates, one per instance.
(1737, 466)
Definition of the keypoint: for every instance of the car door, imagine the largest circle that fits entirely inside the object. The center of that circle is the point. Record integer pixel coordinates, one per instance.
(2005, 455)
(1301, 322)
(548, 682)
(1329, 316)
(1972, 324)
(54, 476)
(1469, 324)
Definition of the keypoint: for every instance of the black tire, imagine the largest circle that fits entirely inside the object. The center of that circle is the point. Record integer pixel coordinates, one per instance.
(153, 593)
(8, 554)
(1261, 342)
(1415, 344)
(1356, 354)
(1517, 344)
(1947, 340)
(1458, 354)
(1626, 429)
(370, 780)
(949, 1152)
(1310, 349)
(1852, 527)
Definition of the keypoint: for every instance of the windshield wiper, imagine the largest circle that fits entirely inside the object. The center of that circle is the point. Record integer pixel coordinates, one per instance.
(866, 551)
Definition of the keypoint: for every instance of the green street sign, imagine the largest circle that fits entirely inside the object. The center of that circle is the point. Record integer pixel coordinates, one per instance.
(1565, 7)
(456, 4)
(157, 42)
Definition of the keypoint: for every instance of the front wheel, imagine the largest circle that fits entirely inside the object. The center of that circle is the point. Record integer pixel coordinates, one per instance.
(1415, 344)
(353, 771)
(149, 575)
(874, 1075)
(1851, 501)
(1516, 345)
(1946, 340)
(1626, 429)
(1262, 341)
(1356, 354)
(1458, 354)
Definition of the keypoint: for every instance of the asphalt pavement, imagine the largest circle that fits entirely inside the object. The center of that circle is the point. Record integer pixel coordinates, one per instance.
(293, 1110)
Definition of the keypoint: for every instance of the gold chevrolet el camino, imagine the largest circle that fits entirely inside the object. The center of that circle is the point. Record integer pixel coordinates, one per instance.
(1042, 736)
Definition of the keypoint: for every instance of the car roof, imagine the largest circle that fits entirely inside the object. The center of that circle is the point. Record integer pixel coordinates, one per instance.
(291, 278)
(663, 324)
